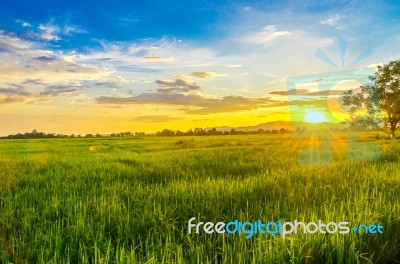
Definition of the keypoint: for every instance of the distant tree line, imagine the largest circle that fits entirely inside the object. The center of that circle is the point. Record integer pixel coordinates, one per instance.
(37, 134)
(214, 131)
(163, 133)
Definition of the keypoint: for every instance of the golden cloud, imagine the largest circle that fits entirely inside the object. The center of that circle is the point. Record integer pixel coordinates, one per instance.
(158, 59)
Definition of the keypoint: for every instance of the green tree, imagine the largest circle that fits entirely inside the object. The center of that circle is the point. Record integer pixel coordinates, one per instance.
(166, 132)
(377, 105)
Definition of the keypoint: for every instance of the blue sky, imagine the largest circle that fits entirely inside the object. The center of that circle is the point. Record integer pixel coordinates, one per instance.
(145, 65)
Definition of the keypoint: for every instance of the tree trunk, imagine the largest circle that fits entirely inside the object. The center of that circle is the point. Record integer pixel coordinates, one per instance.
(393, 126)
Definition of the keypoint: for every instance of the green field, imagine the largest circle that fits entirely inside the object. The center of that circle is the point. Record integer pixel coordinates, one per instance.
(128, 200)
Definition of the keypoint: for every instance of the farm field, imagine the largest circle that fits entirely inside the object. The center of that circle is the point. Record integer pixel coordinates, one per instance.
(128, 200)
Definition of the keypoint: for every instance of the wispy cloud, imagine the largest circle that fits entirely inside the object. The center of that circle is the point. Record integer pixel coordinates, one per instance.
(53, 32)
(308, 92)
(178, 85)
(128, 20)
(54, 90)
(158, 59)
(34, 82)
(49, 32)
(193, 103)
(17, 90)
(268, 34)
(174, 52)
(189, 96)
(46, 58)
(156, 118)
(203, 75)
(234, 65)
(9, 99)
(73, 29)
(23, 23)
(27, 59)
(14, 94)
(331, 20)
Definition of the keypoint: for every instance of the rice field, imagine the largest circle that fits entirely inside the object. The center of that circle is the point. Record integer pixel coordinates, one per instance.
(128, 200)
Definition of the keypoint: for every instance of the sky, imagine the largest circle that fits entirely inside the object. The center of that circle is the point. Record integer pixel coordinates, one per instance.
(103, 67)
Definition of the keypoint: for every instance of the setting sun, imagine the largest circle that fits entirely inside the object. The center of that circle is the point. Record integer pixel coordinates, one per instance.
(315, 117)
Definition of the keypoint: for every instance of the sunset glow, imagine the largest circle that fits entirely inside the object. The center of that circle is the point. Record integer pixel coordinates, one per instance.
(197, 64)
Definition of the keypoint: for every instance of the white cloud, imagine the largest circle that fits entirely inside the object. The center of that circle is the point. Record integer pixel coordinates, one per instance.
(375, 65)
(128, 19)
(268, 34)
(73, 29)
(49, 32)
(23, 23)
(261, 62)
(149, 56)
(331, 20)
(8, 41)
(26, 59)
(52, 32)
(158, 59)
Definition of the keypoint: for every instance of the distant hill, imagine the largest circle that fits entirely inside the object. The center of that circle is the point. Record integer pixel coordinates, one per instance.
(265, 126)
(269, 126)
(289, 125)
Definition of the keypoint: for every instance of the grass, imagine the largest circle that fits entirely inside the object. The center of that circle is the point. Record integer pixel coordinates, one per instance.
(128, 200)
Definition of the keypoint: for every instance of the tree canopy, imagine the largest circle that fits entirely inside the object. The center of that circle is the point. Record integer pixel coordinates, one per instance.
(377, 105)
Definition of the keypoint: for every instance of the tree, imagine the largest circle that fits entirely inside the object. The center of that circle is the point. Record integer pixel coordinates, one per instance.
(179, 133)
(377, 105)
(166, 132)
(212, 131)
